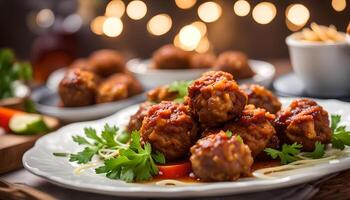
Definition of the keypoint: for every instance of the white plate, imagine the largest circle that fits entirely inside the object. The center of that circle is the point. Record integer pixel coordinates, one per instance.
(47, 101)
(40, 161)
(150, 78)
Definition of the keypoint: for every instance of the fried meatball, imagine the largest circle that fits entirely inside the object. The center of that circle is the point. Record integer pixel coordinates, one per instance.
(106, 62)
(220, 158)
(304, 122)
(202, 60)
(82, 64)
(169, 128)
(171, 57)
(135, 121)
(215, 98)
(78, 88)
(261, 97)
(235, 63)
(161, 93)
(254, 127)
(273, 143)
(117, 87)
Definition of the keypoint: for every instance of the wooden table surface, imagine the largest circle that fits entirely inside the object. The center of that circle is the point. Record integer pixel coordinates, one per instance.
(337, 187)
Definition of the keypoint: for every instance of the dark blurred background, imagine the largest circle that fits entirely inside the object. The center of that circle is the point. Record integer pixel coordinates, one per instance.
(66, 28)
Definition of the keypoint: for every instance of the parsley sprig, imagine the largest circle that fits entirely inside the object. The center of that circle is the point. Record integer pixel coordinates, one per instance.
(11, 71)
(180, 87)
(135, 163)
(94, 143)
(340, 136)
(287, 154)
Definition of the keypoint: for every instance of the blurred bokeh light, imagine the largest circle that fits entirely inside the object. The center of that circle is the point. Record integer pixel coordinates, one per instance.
(45, 18)
(97, 24)
(115, 8)
(209, 11)
(339, 5)
(241, 8)
(201, 27)
(112, 27)
(264, 12)
(185, 4)
(136, 9)
(189, 37)
(159, 24)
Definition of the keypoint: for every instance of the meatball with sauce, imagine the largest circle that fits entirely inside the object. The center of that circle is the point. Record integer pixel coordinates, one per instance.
(106, 62)
(261, 97)
(82, 64)
(135, 121)
(78, 88)
(161, 93)
(254, 127)
(170, 129)
(304, 122)
(218, 157)
(235, 63)
(215, 98)
(117, 87)
(202, 60)
(171, 57)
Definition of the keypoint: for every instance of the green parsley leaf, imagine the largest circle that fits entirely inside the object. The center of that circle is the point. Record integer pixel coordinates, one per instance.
(318, 151)
(180, 87)
(108, 139)
(60, 154)
(135, 163)
(229, 133)
(287, 154)
(239, 139)
(340, 137)
(335, 120)
(84, 156)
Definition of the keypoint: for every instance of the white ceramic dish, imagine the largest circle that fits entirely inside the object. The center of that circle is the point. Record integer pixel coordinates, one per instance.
(151, 78)
(323, 67)
(40, 161)
(47, 101)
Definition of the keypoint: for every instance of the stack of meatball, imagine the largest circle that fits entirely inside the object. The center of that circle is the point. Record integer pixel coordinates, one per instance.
(223, 128)
(99, 79)
(233, 62)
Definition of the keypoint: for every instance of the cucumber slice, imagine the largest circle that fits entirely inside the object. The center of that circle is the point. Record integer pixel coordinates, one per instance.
(28, 124)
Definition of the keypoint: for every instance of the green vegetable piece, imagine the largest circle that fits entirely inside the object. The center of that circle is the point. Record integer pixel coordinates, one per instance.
(228, 133)
(318, 151)
(287, 154)
(60, 154)
(180, 87)
(28, 124)
(340, 137)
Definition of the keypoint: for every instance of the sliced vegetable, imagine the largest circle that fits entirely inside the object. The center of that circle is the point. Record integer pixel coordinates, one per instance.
(5, 115)
(174, 171)
(28, 124)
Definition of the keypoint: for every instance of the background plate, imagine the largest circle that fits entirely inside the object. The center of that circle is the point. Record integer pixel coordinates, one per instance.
(40, 161)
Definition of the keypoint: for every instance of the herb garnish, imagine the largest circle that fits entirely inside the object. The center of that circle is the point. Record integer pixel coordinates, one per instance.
(340, 137)
(136, 163)
(180, 87)
(11, 71)
(108, 139)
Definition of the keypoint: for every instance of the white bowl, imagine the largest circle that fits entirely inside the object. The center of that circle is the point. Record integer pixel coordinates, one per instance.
(324, 68)
(151, 78)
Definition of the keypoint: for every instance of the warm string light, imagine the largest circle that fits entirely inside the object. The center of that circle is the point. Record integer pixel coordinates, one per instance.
(209, 11)
(115, 8)
(297, 16)
(159, 24)
(241, 8)
(339, 5)
(45, 18)
(97, 24)
(112, 26)
(193, 37)
(185, 4)
(264, 12)
(136, 9)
